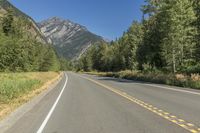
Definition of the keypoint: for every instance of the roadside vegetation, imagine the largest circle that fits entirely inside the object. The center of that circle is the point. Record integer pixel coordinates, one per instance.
(18, 88)
(181, 80)
(164, 47)
(21, 51)
(26, 64)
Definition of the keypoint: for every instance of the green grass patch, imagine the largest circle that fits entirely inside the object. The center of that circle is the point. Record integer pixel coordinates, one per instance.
(15, 85)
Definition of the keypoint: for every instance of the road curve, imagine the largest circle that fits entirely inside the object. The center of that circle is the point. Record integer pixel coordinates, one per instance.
(91, 104)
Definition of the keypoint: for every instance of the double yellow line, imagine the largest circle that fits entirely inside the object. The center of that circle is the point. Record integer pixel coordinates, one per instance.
(164, 114)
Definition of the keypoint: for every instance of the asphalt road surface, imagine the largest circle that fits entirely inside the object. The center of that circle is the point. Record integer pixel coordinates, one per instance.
(91, 104)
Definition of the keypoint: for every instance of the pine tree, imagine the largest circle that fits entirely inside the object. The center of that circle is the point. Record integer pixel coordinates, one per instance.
(133, 38)
(119, 61)
(151, 7)
(149, 50)
(196, 5)
(7, 23)
(177, 17)
(50, 61)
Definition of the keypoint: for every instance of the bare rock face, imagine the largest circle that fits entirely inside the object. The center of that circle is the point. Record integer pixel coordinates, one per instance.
(69, 39)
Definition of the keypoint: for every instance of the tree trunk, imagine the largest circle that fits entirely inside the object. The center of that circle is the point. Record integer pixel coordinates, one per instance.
(174, 61)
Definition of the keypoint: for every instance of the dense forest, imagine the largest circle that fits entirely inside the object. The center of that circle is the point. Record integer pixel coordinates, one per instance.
(167, 39)
(20, 51)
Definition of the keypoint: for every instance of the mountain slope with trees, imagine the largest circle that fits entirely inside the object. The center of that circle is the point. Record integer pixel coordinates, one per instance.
(22, 46)
(33, 30)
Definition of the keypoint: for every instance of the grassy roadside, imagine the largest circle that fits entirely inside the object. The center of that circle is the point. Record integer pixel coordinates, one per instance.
(18, 88)
(181, 80)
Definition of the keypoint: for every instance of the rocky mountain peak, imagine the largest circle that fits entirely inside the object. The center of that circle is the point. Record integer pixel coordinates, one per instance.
(69, 38)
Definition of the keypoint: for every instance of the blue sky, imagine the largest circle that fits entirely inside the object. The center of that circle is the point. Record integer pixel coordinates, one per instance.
(107, 18)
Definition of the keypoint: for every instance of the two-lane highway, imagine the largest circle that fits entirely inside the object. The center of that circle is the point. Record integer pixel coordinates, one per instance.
(91, 104)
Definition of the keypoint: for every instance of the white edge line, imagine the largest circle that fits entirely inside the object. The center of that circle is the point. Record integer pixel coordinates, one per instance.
(167, 88)
(173, 89)
(40, 130)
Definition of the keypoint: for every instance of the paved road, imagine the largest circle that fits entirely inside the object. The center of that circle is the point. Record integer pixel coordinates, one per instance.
(91, 104)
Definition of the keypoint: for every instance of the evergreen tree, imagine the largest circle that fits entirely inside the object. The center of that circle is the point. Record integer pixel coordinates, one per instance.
(149, 51)
(7, 23)
(118, 61)
(166, 39)
(20, 51)
(65, 65)
(132, 39)
(177, 17)
(196, 5)
(50, 61)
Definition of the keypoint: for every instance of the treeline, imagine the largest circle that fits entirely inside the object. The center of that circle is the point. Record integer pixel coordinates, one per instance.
(20, 51)
(167, 40)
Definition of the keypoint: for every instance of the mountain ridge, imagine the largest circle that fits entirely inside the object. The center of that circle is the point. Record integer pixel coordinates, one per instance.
(70, 39)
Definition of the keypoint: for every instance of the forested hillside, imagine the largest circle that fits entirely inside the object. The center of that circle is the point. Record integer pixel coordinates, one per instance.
(166, 40)
(22, 47)
(33, 29)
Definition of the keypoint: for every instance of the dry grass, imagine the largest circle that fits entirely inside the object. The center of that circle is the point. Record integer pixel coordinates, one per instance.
(18, 88)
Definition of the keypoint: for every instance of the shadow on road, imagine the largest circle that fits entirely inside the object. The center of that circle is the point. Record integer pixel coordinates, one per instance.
(121, 80)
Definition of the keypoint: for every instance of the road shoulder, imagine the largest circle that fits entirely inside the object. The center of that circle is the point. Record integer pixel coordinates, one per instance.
(11, 119)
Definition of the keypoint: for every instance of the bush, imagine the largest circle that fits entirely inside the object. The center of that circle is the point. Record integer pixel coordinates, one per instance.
(192, 69)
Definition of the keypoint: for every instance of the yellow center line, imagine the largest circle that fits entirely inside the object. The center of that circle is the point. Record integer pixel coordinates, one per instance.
(181, 120)
(193, 131)
(173, 116)
(190, 124)
(174, 121)
(182, 125)
(166, 117)
(166, 113)
(153, 109)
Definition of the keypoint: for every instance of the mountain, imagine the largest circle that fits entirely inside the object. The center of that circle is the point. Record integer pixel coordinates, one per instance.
(33, 30)
(70, 39)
